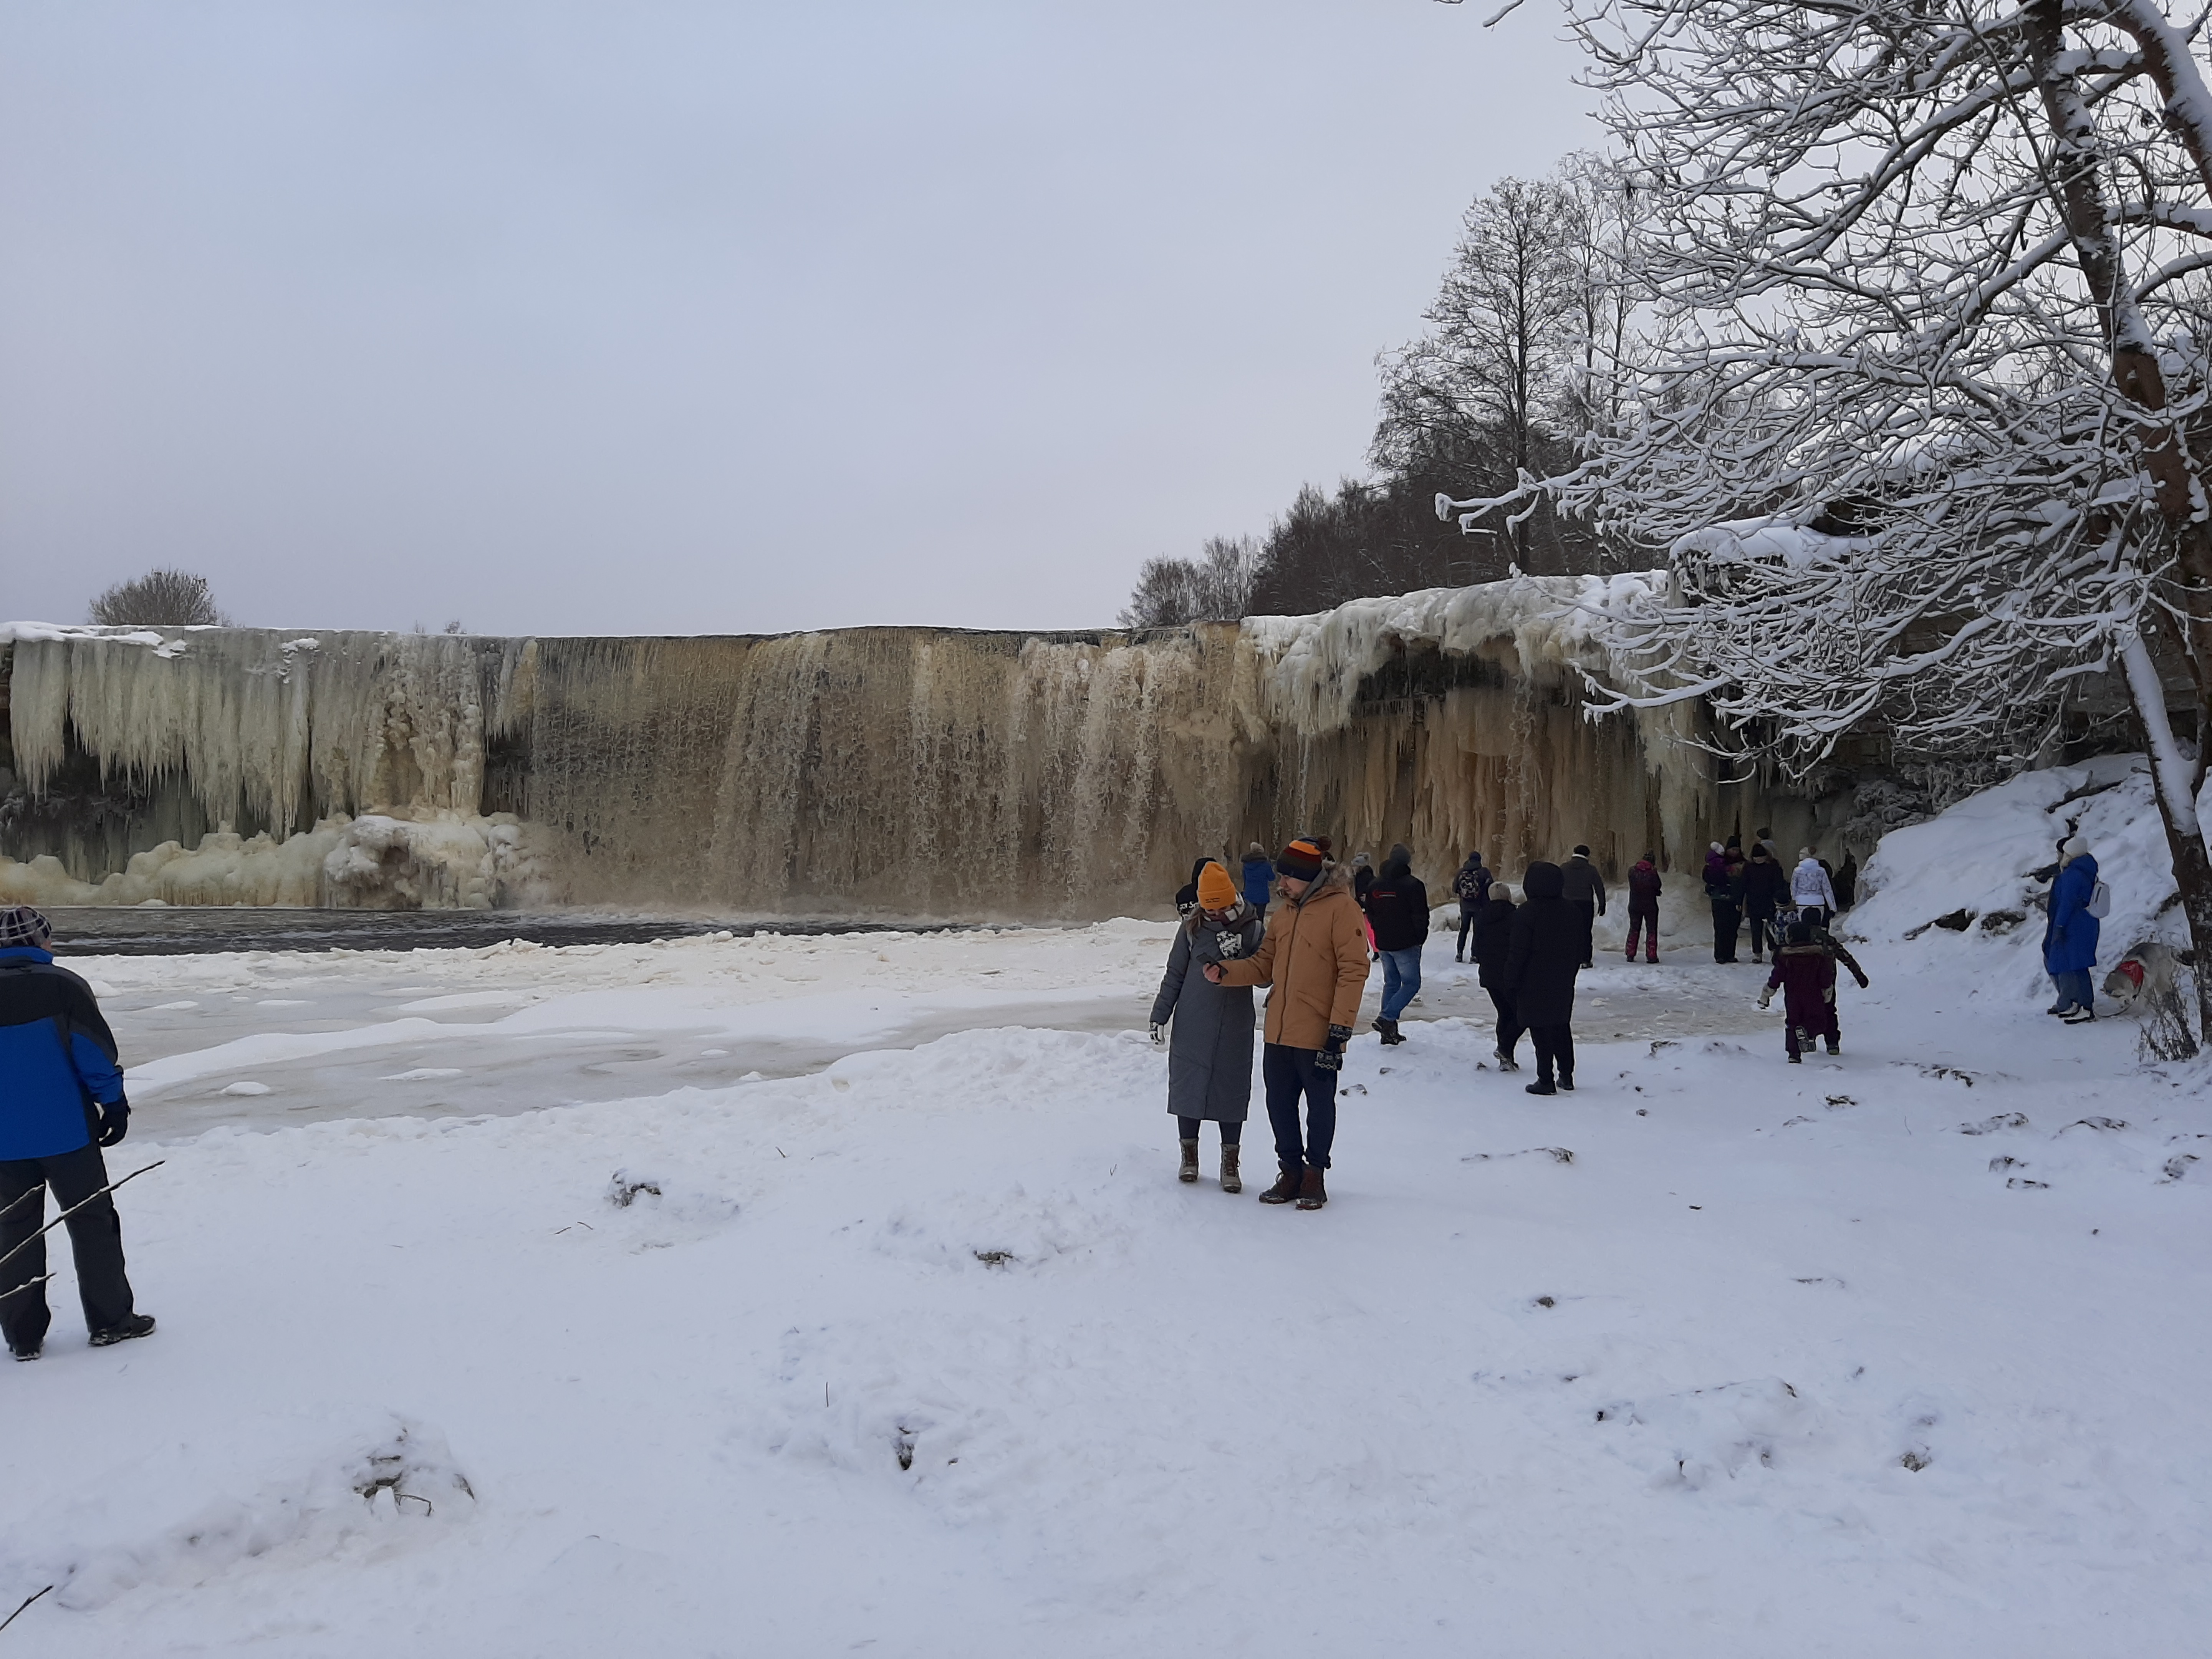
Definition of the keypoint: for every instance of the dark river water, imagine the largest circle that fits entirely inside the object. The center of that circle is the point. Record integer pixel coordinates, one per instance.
(131, 931)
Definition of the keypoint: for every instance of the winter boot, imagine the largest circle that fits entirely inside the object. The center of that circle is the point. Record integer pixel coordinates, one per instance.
(1797, 1060)
(1835, 1047)
(30, 1350)
(1385, 1029)
(1285, 1187)
(1567, 1082)
(1230, 1181)
(1507, 1063)
(2078, 1015)
(1189, 1171)
(1312, 1193)
(135, 1325)
(1542, 1085)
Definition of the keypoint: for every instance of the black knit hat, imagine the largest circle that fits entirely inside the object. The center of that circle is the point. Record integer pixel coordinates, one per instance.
(20, 925)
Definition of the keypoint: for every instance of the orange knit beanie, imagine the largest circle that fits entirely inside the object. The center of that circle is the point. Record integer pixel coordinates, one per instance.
(1215, 890)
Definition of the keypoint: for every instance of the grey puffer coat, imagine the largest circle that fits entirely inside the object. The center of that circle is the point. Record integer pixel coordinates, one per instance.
(1210, 1049)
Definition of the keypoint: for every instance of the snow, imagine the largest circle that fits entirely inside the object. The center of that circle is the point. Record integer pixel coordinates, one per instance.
(923, 1350)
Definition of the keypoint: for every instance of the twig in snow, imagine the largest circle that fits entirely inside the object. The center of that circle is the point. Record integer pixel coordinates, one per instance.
(72, 1210)
(18, 1614)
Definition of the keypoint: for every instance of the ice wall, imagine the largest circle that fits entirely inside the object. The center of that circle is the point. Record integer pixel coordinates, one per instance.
(914, 771)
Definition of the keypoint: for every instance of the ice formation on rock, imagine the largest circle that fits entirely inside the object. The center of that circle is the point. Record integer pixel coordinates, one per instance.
(899, 769)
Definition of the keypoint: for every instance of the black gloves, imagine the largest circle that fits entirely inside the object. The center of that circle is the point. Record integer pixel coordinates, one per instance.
(114, 1122)
(1331, 1057)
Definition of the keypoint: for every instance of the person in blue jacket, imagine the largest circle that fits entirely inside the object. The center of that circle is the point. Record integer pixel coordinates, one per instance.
(61, 1100)
(1259, 878)
(2069, 937)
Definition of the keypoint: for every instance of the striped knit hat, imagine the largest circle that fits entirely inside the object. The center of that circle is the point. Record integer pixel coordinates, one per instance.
(1301, 860)
(20, 925)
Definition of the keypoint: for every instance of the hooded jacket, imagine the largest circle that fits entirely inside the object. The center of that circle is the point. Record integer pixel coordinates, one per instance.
(1397, 905)
(1643, 889)
(2069, 937)
(1314, 955)
(1493, 939)
(57, 1057)
(1546, 952)
(1259, 883)
(1809, 883)
(1471, 886)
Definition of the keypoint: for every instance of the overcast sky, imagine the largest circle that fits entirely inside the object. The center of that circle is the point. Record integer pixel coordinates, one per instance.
(649, 316)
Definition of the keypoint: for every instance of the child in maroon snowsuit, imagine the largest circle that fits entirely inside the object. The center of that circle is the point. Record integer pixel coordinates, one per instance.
(1805, 974)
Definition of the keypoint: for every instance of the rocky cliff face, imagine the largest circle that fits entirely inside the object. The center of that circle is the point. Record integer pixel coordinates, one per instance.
(901, 771)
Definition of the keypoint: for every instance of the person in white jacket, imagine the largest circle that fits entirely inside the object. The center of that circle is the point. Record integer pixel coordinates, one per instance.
(1810, 890)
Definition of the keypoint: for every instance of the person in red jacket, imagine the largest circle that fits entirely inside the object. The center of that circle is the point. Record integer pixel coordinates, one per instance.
(1644, 907)
(1805, 974)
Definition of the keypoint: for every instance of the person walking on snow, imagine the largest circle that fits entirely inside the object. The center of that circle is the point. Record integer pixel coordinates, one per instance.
(1724, 891)
(1540, 965)
(1643, 906)
(1210, 1060)
(1398, 920)
(1762, 888)
(1493, 945)
(1810, 890)
(61, 1100)
(1805, 974)
(1847, 882)
(2069, 937)
(1259, 878)
(1315, 956)
(1471, 887)
(1584, 888)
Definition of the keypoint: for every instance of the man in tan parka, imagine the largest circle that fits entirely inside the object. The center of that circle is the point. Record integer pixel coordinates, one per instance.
(1314, 955)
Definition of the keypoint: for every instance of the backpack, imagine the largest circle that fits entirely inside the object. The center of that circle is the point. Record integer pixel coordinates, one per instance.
(2099, 903)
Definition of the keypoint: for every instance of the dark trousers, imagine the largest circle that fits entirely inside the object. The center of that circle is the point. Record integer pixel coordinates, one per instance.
(1231, 1134)
(1509, 1023)
(1814, 1019)
(1288, 1073)
(1728, 916)
(1648, 922)
(95, 1237)
(1762, 933)
(1465, 928)
(1586, 918)
(1555, 1051)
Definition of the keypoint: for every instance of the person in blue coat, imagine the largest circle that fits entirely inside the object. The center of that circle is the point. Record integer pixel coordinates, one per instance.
(2069, 937)
(61, 1100)
(1259, 878)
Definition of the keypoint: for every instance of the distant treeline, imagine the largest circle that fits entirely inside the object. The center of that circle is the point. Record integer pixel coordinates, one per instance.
(1517, 368)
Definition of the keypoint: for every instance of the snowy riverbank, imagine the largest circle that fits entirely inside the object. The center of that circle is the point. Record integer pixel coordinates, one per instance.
(926, 1352)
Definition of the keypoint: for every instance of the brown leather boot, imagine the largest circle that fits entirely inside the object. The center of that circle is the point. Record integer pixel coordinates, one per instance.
(1189, 1170)
(1312, 1194)
(1230, 1181)
(1285, 1187)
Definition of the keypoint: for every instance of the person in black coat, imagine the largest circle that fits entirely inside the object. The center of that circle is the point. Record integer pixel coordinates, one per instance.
(1725, 887)
(1766, 884)
(1397, 906)
(1846, 881)
(1540, 965)
(1494, 942)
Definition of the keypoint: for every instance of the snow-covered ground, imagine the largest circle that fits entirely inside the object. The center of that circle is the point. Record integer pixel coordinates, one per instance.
(919, 1348)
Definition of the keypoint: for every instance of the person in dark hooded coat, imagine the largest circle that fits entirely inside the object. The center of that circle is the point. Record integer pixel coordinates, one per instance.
(1540, 966)
(1765, 884)
(1493, 943)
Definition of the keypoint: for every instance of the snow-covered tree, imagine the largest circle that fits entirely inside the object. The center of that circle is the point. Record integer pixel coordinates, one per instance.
(1920, 274)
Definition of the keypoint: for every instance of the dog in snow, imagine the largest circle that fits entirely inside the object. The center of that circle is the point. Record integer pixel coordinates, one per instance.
(2145, 975)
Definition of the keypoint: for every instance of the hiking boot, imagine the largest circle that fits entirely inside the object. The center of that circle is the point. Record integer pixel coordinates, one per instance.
(29, 1351)
(1567, 1082)
(1312, 1193)
(1797, 1060)
(135, 1325)
(1230, 1181)
(1189, 1170)
(2078, 1015)
(1507, 1063)
(1834, 1047)
(1542, 1085)
(1387, 1030)
(1285, 1187)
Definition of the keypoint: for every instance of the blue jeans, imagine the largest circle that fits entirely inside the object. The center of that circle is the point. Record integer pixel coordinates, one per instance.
(1401, 978)
(2073, 989)
(1289, 1073)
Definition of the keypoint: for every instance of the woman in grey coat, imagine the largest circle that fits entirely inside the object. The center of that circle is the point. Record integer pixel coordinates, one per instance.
(1210, 1060)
